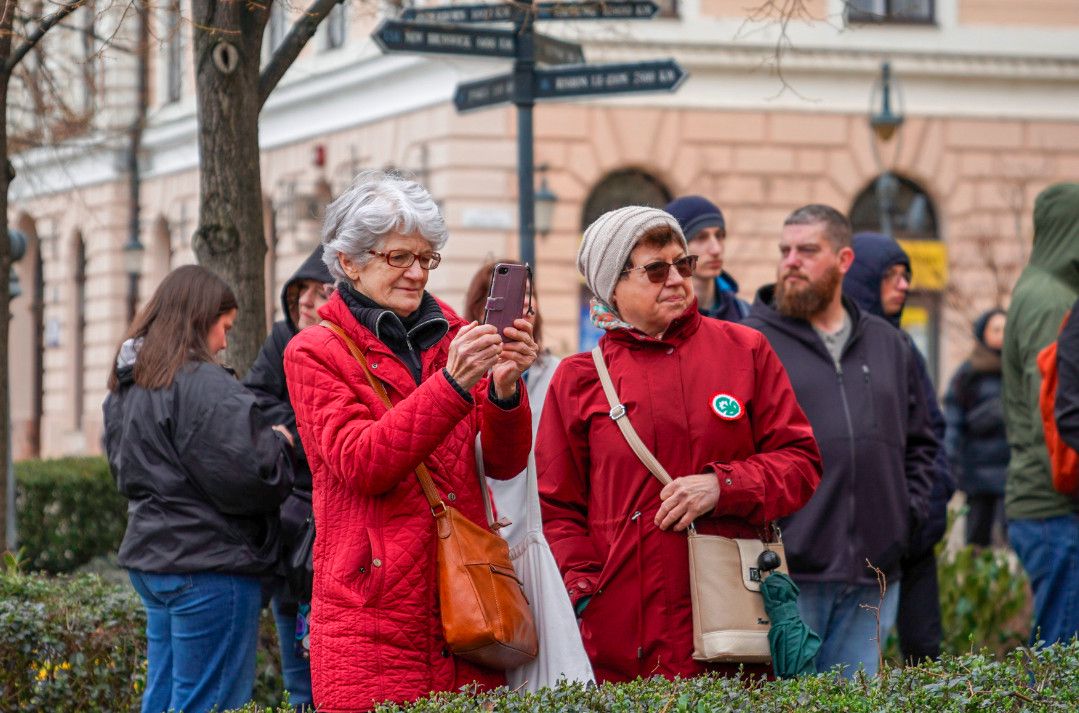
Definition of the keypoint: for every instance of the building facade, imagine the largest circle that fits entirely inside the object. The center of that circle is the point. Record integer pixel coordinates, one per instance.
(774, 115)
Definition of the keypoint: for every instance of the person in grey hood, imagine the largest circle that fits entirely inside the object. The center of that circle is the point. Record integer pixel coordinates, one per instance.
(879, 280)
(856, 379)
(307, 290)
(204, 474)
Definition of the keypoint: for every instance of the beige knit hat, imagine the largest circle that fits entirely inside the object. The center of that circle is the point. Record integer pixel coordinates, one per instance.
(609, 241)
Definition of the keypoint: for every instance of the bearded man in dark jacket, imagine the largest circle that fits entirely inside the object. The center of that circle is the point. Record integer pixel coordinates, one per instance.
(879, 280)
(306, 291)
(857, 380)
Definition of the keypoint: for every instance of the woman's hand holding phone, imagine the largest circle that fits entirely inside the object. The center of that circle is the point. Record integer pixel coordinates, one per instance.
(519, 352)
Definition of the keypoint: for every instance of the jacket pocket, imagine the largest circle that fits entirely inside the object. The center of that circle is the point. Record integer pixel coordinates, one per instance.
(871, 398)
(358, 567)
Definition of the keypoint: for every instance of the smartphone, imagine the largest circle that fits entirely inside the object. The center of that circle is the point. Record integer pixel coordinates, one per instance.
(505, 301)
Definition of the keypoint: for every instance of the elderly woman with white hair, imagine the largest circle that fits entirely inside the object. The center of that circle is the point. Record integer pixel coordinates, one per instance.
(712, 403)
(376, 632)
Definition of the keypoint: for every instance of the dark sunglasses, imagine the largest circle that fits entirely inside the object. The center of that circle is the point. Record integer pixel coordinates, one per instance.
(658, 271)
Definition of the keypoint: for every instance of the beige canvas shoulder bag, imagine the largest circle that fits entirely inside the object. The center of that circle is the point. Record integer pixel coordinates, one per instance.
(729, 621)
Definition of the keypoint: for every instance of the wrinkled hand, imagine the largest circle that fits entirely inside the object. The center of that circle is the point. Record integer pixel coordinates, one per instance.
(518, 354)
(685, 499)
(286, 433)
(473, 351)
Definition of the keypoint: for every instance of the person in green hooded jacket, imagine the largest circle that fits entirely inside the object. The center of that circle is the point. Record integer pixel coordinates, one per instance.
(1043, 525)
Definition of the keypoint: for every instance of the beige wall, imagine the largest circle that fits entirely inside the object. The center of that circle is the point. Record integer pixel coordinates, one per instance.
(810, 9)
(982, 175)
(1044, 13)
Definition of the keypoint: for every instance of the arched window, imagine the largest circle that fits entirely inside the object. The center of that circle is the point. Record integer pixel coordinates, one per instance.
(627, 186)
(898, 206)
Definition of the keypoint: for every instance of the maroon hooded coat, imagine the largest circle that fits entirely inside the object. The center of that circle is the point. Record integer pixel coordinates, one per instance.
(376, 632)
(599, 502)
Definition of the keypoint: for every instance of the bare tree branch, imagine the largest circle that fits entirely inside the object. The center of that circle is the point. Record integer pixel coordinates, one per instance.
(302, 30)
(34, 37)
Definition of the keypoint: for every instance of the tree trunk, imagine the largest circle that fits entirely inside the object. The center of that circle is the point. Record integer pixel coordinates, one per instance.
(9, 7)
(229, 239)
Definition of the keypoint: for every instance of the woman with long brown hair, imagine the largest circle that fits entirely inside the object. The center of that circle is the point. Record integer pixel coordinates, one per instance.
(204, 475)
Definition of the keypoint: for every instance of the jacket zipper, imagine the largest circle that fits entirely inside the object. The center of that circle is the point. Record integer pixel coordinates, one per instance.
(853, 451)
(872, 398)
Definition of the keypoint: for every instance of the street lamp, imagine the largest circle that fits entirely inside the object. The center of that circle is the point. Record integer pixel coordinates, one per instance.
(885, 123)
(545, 201)
(133, 251)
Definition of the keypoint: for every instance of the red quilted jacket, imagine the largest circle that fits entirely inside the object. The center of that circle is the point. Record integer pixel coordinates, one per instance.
(375, 628)
(711, 396)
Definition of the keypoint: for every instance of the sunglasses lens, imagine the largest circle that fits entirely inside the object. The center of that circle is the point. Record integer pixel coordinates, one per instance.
(657, 271)
(685, 265)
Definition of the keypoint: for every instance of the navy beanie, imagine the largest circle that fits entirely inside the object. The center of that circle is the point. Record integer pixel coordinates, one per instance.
(695, 213)
(983, 321)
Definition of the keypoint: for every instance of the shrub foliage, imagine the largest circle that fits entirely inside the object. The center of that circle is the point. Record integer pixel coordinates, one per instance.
(69, 644)
(68, 512)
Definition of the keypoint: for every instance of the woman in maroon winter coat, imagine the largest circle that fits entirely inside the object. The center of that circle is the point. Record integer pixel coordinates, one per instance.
(376, 631)
(712, 402)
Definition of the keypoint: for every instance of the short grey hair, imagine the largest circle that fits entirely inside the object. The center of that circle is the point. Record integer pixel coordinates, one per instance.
(376, 205)
(837, 227)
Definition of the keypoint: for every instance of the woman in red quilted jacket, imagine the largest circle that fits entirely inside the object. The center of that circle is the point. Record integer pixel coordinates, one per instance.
(712, 402)
(376, 632)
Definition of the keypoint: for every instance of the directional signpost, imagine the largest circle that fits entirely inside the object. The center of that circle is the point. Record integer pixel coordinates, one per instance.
(452, 30)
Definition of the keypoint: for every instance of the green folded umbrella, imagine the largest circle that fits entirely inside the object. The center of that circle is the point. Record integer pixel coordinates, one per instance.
(794, 645)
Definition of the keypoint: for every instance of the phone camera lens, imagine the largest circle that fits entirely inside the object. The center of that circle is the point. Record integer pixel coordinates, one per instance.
(503, 270)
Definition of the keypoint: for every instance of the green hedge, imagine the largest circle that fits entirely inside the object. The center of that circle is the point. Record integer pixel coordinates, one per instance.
(68, 512)
(77, 644)
(69, 644)
(1039, 680)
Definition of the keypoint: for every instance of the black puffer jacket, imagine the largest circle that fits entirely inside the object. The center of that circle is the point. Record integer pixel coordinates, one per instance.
(976, 441)
(203, 473)
(872, 425)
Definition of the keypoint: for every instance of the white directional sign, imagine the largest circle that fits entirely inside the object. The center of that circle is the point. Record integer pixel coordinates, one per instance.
(662, 75)
(393, 35)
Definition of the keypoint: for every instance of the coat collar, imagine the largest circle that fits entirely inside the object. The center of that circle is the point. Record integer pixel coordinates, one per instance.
(681, 328)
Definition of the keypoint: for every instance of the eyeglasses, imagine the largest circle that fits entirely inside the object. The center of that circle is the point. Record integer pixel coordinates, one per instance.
(658, 271)
(894, 275)
(405, 258)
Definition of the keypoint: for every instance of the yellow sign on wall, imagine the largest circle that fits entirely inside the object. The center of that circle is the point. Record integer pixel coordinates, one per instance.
(928, 262)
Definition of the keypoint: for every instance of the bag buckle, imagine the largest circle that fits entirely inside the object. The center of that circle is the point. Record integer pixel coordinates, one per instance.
(438, 509)
(618, 412)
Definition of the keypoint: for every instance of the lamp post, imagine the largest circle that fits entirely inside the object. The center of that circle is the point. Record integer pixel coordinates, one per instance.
(545, 200)
(18, 249)
(133, 252)
(885, 124)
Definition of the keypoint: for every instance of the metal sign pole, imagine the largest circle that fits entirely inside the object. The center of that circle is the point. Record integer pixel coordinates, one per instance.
(524, 67)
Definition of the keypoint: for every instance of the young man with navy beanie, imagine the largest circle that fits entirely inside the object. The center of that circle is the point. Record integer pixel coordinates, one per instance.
(706, 233)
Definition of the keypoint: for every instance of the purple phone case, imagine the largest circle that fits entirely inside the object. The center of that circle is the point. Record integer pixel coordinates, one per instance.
(505, 301)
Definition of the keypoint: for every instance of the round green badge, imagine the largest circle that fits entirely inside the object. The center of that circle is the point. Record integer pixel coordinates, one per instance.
(727, 407)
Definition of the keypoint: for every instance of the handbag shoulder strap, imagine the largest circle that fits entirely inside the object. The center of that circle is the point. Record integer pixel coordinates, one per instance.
(427, 484)
(618, 415)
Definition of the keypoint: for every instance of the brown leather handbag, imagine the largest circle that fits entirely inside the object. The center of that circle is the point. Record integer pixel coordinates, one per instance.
(486, 617)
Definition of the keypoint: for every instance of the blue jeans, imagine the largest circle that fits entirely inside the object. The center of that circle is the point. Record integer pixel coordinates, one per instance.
(201, 635)
(295, 669)
(848, 632)
(1049, 552)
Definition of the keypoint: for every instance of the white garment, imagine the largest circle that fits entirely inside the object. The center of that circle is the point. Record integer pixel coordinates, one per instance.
(561, 653)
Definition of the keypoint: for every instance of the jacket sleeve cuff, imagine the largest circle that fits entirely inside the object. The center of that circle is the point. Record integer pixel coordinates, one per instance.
(740, 495)
(505, 404)
(580, 591)
(457, 387)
